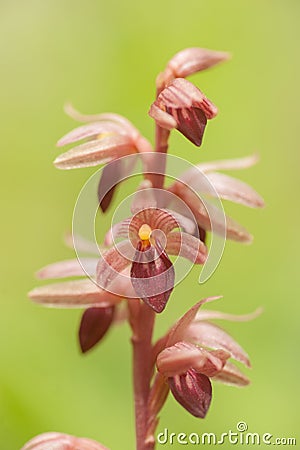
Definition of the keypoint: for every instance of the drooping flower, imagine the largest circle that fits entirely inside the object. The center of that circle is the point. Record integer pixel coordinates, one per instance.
(196, 351)
(189, 187)
(183, 106)
(61, 441)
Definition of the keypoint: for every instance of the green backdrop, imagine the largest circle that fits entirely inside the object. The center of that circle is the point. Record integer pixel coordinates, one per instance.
(104, 56)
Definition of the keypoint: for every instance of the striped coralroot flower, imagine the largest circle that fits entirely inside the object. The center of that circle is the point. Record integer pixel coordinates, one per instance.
(183, 106)
(195, 352)
(151, 237)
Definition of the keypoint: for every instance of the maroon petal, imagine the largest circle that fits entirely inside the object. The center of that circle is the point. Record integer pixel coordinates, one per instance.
(109, 177)
(191, 123)
(94, 324)
(152, 276)
(193, 391)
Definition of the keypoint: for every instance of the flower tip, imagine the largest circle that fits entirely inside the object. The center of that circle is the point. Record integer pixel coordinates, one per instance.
(94, 325)
(59, 163)
(193, 391)
(158, 302)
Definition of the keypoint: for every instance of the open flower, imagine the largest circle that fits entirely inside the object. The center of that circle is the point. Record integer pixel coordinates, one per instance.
(196, 351)
(183, 106)
(150, 239)
(190, 186)
(61, 441)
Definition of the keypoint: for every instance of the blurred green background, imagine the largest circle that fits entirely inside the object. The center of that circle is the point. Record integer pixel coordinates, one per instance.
(104, 56)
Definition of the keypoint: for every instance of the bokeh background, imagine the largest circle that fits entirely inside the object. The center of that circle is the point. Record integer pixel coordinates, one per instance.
(104, 56)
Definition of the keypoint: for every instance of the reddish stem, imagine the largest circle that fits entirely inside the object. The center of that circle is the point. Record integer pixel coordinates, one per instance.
(142, 322)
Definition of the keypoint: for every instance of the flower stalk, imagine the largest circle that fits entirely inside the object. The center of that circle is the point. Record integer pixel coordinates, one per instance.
(142, 319)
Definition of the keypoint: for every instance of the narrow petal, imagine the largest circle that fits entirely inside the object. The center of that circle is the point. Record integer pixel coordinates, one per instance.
(90, 130)
(152, 277)
(73, 294)
(95, 323)
(60, 441)
(195, 59)
(193, 391)
(235, 190)
(234, 230)
(178, 331)
(68, 268)
(110, 117)
(210, 335)
(191, 176)
(182, 356)
(231, 375)
(210, 314)
(229, 164)
(187, 246)
(113, 262)
(96, 152)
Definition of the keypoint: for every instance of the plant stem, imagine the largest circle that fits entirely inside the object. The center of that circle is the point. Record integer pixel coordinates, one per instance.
(142, 322)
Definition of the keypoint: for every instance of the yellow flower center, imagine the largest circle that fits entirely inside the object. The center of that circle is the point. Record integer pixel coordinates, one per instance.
(145, 232)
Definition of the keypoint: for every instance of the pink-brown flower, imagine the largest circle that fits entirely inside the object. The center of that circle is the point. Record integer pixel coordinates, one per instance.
(61, 441)
(150, 238)
(183, 106)
(195, 351)
(108, 137)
